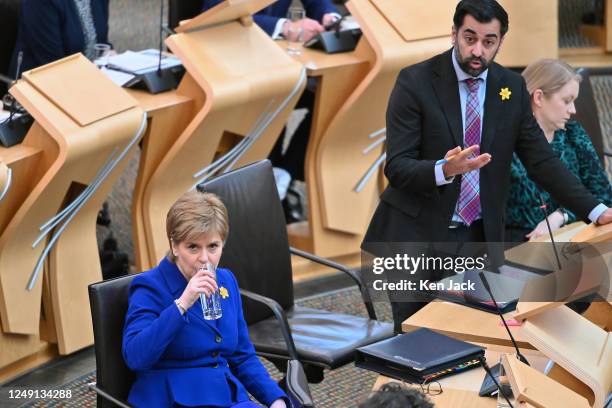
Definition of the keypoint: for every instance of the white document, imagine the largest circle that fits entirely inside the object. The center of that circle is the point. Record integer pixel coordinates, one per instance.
(118, 77)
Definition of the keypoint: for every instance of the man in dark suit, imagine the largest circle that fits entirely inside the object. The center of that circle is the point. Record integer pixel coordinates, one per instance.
(53, 29)
(453, 122)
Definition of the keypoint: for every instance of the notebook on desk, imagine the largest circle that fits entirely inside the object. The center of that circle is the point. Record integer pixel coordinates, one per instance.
(419, 356)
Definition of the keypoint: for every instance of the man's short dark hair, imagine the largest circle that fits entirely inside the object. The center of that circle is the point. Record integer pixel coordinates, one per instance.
(484, 11)
(394, 395)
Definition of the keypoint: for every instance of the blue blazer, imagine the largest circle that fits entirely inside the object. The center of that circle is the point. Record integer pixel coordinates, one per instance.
(268, 17)
(184, 359)
(51, 29)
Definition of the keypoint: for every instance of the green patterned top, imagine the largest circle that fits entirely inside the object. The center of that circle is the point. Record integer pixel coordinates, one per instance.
(578, 154)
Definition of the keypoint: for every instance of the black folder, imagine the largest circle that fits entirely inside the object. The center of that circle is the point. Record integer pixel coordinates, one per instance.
(506, 290)
(419, 356)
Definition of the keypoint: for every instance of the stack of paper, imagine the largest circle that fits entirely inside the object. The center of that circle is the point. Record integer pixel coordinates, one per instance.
(141, 62)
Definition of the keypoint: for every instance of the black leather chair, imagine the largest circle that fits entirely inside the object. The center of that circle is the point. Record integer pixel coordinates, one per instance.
(109, 302)
(179, 10)
(258, 252)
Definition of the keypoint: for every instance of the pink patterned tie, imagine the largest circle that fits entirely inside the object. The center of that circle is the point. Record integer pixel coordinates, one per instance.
(468, 206)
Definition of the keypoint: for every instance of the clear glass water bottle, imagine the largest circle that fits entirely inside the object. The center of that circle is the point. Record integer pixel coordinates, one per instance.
(211, 305)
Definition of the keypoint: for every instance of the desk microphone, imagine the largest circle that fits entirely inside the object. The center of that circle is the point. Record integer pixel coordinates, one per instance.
(485, 283)
(499, 388)
(160, 80)
(13, 130)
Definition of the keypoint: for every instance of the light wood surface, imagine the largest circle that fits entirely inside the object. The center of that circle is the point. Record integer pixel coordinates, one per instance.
(344, 115)
(168, 113)
(608, 22)
(72, 97)
(68, 158)
(459, 390)
(533, 387)
(540, 33)
(229, 10)
(228, 79)
(579, 346)
(466, 324)
(594, 234)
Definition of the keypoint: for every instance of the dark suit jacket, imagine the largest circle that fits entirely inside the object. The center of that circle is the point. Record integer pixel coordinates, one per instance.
(51, 29)
(185, 359)
(268, 17)
(424, 122)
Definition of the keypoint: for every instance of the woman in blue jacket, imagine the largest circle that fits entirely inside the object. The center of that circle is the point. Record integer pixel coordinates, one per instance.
(181, 359)
(53, 29)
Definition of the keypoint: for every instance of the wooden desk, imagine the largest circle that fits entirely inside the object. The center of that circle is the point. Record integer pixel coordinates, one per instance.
(465, 323)
(350, 106)
(459, 390)
(337, 75)
(168, 115)
(601, 35)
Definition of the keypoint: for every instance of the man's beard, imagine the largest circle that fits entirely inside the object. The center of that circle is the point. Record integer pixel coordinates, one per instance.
(465, 64)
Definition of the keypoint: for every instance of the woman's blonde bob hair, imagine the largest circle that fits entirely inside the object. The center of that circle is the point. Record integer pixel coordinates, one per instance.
(195, 214)
(549, 75)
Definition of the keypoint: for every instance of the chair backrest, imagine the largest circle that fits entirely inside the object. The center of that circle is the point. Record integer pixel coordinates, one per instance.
(257, 248)
(109, 303)
(9, 26)
(586, 112)
(179, 10)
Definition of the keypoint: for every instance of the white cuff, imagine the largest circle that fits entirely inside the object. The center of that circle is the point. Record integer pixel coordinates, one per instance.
(278, 29)
(596, 212)
(439, 172)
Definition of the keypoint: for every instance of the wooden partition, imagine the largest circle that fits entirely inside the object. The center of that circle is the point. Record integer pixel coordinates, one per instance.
(244, 87)
(168, 115)
(336, 164)
(85, 127)
(533, 33)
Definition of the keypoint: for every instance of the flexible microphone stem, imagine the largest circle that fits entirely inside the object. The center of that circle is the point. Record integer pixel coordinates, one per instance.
(499, 388)
(483, 278)
(161, 35)
(552, 239)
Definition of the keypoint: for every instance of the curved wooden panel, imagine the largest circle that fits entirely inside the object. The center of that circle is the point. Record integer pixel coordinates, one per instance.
(232, 65)
(75, 155)
(339, 160)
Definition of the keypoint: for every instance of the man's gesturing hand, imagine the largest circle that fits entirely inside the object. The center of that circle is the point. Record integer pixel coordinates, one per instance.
(459, 162)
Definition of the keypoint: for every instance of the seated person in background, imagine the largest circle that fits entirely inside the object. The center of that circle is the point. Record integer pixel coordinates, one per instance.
(179, 358)
(394, 395)
(272, 19)
(553, 86)
(53, 29)
(319, 14)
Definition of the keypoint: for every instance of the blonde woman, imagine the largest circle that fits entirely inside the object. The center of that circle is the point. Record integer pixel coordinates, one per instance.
(553, 86)
(179, 358)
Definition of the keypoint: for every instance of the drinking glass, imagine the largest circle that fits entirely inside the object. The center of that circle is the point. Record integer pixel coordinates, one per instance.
(101, 54)
(295, 32)
(211, 305)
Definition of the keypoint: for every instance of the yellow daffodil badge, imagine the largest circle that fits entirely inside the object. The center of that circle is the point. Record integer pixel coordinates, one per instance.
(224, 293)
(505, 93)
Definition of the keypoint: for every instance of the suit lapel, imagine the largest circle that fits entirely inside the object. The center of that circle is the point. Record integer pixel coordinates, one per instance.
(447, 90)
(492, 108)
